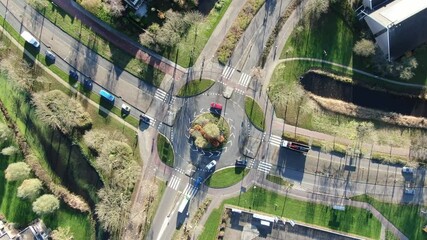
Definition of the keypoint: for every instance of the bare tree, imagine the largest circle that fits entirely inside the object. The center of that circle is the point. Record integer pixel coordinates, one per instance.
(315, 8)
(364, 48)
(115, 7)
(57, 110)
(112, 209)
(91, 5)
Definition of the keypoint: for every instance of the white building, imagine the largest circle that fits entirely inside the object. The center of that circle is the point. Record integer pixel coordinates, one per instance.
(399, 26)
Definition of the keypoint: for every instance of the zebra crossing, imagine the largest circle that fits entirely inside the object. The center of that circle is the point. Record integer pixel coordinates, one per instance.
(174, 182)
(244, 80)
(227, 72)
(190, 190)
(275, 140)
(160, 94)
(264, 167)
(251, 163)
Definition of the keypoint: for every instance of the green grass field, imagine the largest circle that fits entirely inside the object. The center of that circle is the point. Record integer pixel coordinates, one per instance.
(195, 87)
(406, 217)
(255, 113)
(227, 177)
(20, 211)
(338, 44)
(352, 220)
(165, 150)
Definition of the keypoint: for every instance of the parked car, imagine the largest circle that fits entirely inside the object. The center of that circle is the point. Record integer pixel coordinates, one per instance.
(73, 74)
(87, 84)
(50, 57)
(125, 108)
(30, 39)
(408, 170)
(211, 165)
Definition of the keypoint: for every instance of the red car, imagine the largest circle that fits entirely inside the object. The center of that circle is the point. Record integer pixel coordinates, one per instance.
(216, 106)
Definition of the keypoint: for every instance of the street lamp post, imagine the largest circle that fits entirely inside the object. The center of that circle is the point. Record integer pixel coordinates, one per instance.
(253, 197)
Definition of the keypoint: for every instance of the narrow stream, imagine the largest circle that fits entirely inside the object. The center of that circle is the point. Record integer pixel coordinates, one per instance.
(327, 87)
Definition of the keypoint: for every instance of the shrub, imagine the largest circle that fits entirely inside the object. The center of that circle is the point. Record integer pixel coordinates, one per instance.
(364, 48)
(17, 171)
(9, 151)
(30, 188)
(46, 204)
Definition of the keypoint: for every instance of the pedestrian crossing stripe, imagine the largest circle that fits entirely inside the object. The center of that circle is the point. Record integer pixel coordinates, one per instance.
(275, 140)
(174, 182)
(264, 167)
(227, 72)
(239, 91)
(160, 94)
(245, 79)
(190, 190)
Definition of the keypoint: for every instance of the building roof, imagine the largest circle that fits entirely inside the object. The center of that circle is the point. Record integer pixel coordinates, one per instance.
(397, 11)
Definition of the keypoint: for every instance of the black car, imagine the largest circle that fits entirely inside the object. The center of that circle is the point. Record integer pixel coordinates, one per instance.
(73, 74)
(87, 84)
(144, 119)
(241, 163)
(50, 57)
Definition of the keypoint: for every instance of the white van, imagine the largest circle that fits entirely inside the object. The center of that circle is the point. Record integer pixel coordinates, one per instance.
(30, 39)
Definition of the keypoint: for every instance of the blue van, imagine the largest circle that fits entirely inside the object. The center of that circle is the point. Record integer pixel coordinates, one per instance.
(107, 95)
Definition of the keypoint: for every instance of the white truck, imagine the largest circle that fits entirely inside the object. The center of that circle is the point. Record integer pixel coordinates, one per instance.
(30, 39)
(299, 147)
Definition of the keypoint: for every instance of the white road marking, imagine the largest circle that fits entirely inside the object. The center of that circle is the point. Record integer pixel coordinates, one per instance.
(275, 140)
(160, 94)
(227, 72)
(190, 190)
(245, 79)
(174, 182)
(264, 167)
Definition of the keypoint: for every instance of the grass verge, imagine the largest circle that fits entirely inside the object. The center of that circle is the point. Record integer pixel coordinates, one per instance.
(195, 87)
(279, 180)
(406, 217)
(352, 220)
(239, 26)
(254, 113)
(227, 177)
(388, 159)
(165, 150)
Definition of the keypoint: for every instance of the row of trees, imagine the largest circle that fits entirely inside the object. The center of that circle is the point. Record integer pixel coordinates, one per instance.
(119, 170)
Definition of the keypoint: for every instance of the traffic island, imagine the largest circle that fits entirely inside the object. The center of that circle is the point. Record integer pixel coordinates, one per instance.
(195, 87)
(165, 150)
(227, 177)
(254, 113)
(209, 131)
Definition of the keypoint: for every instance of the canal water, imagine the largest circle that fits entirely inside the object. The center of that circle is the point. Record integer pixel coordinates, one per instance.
(327, 87)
